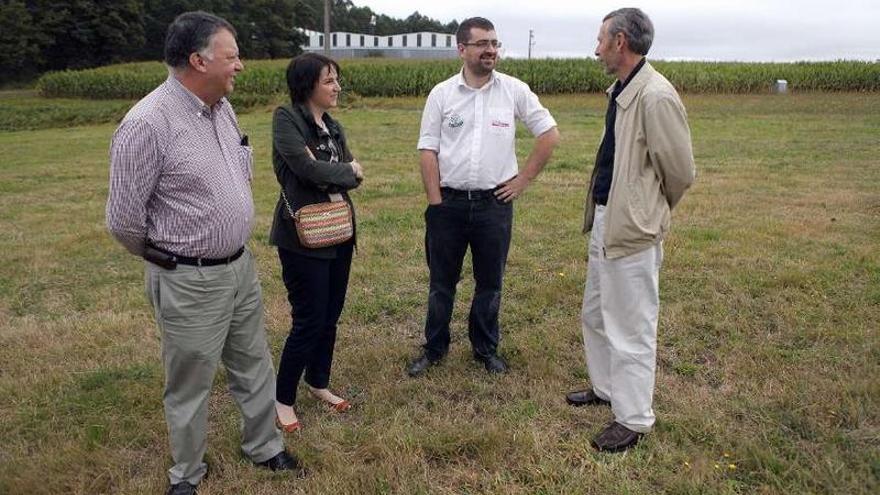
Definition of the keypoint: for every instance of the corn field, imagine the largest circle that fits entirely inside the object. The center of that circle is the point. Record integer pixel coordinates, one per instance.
(264, 79)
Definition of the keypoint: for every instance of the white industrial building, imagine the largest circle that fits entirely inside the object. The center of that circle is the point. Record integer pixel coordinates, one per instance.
(409, 45)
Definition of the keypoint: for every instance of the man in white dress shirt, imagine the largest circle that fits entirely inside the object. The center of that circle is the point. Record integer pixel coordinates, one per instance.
(471, 178)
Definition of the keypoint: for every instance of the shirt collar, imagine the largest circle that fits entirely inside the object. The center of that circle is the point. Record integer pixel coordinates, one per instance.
(463, 82)
(190, 100)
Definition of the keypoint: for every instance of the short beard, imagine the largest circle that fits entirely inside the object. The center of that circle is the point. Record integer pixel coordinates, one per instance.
(478, 69)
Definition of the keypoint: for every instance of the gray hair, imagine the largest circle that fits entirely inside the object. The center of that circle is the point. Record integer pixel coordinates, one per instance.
(636, 27)
(190, 33)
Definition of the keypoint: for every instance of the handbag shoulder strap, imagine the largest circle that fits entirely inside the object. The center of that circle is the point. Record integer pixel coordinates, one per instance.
(286, 203)
(334, 198)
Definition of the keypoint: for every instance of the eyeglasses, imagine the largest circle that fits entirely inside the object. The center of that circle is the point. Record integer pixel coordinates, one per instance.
(483, 44)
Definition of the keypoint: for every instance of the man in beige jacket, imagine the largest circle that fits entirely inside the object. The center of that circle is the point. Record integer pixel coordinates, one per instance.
(643, 167)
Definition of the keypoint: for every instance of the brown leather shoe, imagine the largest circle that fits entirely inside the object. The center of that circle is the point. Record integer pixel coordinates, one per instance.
(615, 438)
(585, 398)
(182, 488)
(282, 461)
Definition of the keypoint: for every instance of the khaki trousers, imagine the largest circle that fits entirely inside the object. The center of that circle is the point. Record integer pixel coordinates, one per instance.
(207, 315)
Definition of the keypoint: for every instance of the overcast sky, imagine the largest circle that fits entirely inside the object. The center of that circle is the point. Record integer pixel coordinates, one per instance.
(746, 30)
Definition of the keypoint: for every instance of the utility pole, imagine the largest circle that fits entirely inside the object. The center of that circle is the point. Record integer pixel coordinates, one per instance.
(531, 41)
(327, 28)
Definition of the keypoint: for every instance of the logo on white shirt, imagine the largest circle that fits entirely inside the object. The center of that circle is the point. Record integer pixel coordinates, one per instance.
(455, 120)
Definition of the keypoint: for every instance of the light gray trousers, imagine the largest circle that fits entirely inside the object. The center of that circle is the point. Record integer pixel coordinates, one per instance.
(205, 315)
(619, 321)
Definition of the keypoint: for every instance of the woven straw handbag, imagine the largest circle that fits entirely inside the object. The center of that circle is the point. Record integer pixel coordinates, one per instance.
(322, 224)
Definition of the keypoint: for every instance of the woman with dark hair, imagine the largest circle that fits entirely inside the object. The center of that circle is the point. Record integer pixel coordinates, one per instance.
(313, 165)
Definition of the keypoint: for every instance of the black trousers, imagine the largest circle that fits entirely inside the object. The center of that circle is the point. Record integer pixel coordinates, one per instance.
(451, 227)
(316, 292)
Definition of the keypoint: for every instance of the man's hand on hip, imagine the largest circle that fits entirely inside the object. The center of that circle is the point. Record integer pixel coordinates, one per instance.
(513, 188)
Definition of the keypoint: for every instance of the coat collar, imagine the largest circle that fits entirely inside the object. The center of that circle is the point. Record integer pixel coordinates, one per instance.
(635, 85)
(306, 114)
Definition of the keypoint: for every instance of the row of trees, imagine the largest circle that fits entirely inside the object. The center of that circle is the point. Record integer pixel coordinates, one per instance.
(345, 16)
(41, 35)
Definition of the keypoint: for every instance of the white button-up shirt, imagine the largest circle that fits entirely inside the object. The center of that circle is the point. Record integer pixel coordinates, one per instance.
(472, 130)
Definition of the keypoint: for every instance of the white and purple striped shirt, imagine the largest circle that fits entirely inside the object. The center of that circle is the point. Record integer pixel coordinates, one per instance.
(180, 176)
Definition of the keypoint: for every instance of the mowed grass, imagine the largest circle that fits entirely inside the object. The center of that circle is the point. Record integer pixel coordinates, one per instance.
(26, 110)
(768, 340)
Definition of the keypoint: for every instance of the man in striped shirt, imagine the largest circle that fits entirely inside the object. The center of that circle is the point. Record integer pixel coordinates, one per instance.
(180, 197)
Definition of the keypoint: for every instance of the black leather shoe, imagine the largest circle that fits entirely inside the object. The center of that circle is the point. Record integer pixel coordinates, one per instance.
(585, 398)
(283, 461)
(494, 364)
(182, 488)
(615, 438)
(420, 365)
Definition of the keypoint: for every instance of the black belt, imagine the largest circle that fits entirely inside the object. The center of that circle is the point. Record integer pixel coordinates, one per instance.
(183, 260)
(475, 195)
(169, 260)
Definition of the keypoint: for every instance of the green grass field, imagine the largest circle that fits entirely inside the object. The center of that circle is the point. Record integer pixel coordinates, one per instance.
(768, 341)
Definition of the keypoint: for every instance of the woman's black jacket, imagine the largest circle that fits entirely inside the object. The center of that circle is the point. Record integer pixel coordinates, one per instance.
(305, 180)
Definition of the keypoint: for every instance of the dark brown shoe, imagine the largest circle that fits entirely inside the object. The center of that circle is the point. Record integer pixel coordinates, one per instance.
(282, 461)
(182, 488)
(615, 438)
(585, 398)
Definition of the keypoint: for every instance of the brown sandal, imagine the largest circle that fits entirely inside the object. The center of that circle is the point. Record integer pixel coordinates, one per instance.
(288, 428)
(338, 407)
(341, 407)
